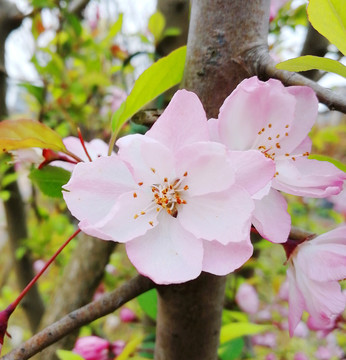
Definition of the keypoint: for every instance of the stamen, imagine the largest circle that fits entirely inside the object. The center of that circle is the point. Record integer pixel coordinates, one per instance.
(186, 187)
(136, 216)
(140, 183)
(278, 145)
(185, 173)
(134, 195)
(269, 125)
(153, 170)
(151, 223)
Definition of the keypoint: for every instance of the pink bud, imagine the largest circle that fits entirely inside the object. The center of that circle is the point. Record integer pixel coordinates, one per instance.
(92, 348)
(127, 315)
(4, 316)
(247, 298)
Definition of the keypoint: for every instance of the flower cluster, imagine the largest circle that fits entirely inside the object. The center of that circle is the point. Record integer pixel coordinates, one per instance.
(183, 196)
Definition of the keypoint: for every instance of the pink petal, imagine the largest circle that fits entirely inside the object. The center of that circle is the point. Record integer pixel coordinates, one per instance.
(322, 262)
(271, 218)
(167, 254)
(130, 217)
(221, 259)
(305, 177)
(213, 127)
(150, 160)
(183, 122)
(253, 169)
(335, 236)
(323, 300)
(207, 166)
(305, 114)
(95, 186)
(224, 216)
(255, 105)
(296, 301)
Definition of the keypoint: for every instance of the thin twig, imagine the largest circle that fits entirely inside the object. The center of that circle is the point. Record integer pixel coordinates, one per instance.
(82, 316)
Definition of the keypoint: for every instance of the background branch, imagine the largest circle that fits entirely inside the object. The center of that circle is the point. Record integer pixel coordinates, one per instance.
(257, 61)
(88, 313)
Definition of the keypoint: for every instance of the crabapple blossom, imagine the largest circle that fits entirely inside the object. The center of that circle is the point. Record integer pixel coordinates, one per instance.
(247, 298)
(275, 121)
(92, 348)
(315, 267)
(172, 197)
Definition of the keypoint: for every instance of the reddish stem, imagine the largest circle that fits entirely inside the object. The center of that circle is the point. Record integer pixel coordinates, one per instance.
(83, 144)
(32, 282)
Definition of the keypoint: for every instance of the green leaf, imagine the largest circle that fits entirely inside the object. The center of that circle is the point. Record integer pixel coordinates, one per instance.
(335, 162)
(159, 77)
(25, 133)
(231, 350)
(235, 330)
(116, 27)
(171, 31)
(36, 91)
(50, 180)
(329, 18)
(68, 355)
(309, 62)
(156, 25)
(148, 303)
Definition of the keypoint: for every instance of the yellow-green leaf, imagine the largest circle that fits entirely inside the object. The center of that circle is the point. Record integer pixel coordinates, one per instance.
(159, 77)
(130, 347)
(156, 25)
(235, 330)
(24, 133)
(329, 18)
(310, 62)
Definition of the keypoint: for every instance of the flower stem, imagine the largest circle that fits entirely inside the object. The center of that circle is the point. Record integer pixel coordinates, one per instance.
(33, 281)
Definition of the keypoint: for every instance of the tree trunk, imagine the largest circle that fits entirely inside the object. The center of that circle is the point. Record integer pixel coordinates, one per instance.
(189, 315)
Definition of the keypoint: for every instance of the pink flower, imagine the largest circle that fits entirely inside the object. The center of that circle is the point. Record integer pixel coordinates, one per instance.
(92, 348)
(247, 298)
(313, 274)
(267, 340)
(275, 121)
(127, 315)
(171, 196)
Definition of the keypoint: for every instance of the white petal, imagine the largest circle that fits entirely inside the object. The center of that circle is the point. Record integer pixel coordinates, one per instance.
(271, 218)
(207, 166)
(224, 217)
(223, 259)
(95, 186)
(167, 254)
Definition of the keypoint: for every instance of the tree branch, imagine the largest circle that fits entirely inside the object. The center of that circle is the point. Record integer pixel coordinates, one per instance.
(257, 61)
(86, 314)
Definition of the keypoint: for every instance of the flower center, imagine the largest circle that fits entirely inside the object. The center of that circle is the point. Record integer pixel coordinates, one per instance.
(166, 196)
(269, 144)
